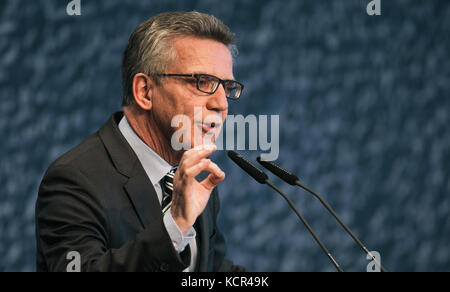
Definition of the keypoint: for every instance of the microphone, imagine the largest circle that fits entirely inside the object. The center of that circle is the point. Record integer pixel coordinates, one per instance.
(248, 167)
(292, 179)
(262, 178)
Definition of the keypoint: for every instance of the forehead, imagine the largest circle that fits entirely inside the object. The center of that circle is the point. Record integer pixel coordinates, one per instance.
(199, 55)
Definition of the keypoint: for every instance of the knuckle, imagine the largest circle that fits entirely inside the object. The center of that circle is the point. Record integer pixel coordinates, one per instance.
(187, 172)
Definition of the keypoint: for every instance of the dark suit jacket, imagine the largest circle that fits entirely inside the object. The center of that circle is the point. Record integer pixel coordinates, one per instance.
(98, 201)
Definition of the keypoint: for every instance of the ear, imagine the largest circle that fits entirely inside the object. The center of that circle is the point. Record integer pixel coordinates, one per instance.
(143, 91)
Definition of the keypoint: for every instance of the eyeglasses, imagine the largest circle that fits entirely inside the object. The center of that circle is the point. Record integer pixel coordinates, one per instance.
(209, 84)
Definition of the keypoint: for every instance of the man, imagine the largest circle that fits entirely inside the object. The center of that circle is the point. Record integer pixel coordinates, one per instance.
(125, 199)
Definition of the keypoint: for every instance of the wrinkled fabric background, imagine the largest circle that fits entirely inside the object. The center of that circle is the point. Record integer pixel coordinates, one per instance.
(364, 120)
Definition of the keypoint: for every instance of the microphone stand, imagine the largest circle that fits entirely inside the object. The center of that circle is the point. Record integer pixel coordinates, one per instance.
(298, 183)
(262, 178)
(292, 179)
(291, 204)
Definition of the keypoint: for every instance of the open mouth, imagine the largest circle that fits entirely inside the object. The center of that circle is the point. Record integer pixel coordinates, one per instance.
(209, 128)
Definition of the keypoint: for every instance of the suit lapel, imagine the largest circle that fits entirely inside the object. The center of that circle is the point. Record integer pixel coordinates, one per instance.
(206, 225)
(202, 243)
(143, 197)
(138, 187)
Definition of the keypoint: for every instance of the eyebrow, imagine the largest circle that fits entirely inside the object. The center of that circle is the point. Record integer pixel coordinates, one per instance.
(204, 73)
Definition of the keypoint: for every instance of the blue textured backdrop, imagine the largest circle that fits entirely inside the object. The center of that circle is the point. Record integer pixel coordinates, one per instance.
(364, 112)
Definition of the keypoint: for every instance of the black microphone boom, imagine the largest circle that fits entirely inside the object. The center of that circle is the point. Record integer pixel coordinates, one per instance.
(292, 179)
(262, 178)
(249, 168)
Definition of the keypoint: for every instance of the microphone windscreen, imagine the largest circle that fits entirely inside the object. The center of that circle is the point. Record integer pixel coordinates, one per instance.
(248, 167)
(285, 175)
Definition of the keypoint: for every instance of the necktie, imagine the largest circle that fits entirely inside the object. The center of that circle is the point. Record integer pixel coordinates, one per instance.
(167, 185)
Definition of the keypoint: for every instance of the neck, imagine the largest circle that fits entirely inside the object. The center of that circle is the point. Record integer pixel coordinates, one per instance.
(146, 127)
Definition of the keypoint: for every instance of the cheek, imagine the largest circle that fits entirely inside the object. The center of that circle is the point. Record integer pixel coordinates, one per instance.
(168, 105)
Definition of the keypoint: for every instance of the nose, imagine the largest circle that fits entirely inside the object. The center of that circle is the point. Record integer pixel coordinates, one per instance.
(218, 101)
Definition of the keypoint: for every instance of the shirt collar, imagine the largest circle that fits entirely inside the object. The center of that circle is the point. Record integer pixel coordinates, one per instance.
(155, 166)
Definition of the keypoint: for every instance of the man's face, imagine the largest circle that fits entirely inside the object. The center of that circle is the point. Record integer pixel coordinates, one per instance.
(180, 96)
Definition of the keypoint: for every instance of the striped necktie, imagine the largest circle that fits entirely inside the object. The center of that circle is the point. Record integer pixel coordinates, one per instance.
(167, 185)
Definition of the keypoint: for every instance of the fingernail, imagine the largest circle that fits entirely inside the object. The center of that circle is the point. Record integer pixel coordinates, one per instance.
(210, 147)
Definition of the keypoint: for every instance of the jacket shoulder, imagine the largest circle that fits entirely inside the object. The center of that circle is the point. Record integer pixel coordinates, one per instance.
(85, 157)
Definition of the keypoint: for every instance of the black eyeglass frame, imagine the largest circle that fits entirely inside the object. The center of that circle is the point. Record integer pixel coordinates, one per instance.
(198, 76)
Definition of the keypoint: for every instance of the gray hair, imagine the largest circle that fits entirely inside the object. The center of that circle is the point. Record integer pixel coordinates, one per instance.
(149, 49)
